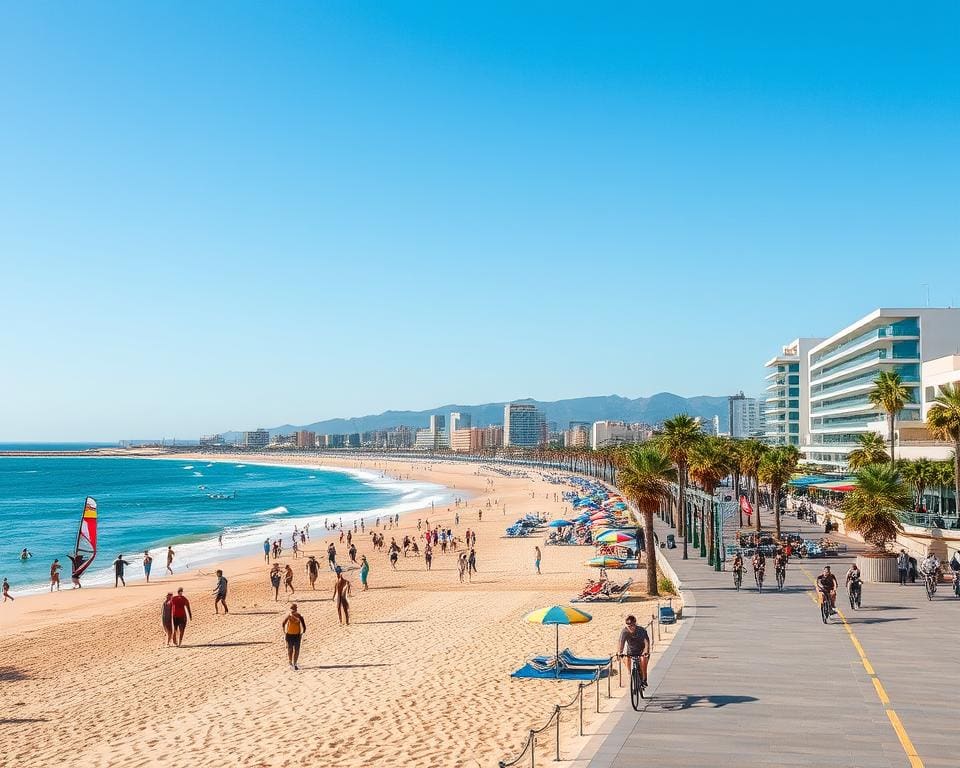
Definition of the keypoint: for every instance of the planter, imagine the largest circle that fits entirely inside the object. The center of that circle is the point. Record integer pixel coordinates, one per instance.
(878, 569)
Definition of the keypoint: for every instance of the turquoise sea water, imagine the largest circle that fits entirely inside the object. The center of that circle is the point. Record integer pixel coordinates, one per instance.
(148, 504)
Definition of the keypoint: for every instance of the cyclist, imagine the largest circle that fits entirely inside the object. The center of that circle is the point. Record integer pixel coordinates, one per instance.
(637, 643)
(780, 563)
(853, 579)
(955, 567)
(759, 564)
(930, 567)
(827, 587)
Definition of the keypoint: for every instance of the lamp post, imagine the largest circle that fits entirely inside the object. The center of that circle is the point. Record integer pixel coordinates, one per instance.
(703, 538)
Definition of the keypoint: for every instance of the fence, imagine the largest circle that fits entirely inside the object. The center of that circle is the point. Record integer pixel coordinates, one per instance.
(530, 745)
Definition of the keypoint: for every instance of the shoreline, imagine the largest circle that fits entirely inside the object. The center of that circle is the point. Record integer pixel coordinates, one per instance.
(207, 547)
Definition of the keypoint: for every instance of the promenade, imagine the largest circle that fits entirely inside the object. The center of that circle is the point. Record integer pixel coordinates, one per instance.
(757, 680)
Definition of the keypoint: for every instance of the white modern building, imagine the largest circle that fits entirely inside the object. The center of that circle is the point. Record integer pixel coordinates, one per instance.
(744, 416)
(257, 438)
(787, 405)
(842, 370)
(459, 421)
(524, 426)
(604, 433)
(434, 437)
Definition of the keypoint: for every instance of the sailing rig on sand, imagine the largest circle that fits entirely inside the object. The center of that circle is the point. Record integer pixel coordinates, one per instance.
(86, 548)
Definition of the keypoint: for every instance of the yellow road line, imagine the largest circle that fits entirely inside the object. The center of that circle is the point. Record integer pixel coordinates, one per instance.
(895, 722)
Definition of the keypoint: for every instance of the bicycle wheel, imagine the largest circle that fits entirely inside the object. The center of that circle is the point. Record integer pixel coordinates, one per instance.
(737, 578)
(929, 587)
(956, 585)
(760, 582)
(859, 595)
(780, 580)
(825, 609)
(635, 683)
(853, 599)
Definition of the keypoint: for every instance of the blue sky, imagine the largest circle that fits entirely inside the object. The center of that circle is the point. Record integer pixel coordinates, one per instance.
(224, 215)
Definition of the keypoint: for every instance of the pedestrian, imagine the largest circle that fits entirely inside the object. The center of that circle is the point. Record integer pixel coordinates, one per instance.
(220, 540)
(166, 617)
(266, 549)
(393, 558)
(536, 558)
(364, 571)
(170, 554)
(55, 575)
(6, 590)
(353, 553)
(179, 614)
(903, 566)
(313, 570)
(471, 563)
(341, 590)
(331, 556)
(147, 564)
(293, 627)
(220, 593)
(462, 565)
(275, 579)
(76, 561)
(288, 580)
(428, 556)
(118, 571)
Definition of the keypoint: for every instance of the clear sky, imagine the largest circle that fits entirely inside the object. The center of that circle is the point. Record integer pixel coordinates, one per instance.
(223, 215)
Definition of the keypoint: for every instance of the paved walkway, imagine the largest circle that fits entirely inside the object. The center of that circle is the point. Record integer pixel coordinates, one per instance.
(757, 680)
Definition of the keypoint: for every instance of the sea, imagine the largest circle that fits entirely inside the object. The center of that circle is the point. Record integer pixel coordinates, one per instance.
(148, 504)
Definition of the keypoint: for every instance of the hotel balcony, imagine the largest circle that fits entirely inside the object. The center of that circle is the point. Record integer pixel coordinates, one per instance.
(865, 341)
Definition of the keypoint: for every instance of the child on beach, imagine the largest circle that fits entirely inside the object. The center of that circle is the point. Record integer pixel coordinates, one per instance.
(55, 575)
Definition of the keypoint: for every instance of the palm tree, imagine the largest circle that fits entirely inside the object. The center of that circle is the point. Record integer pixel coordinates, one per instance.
(733, 447)
(678, 437)
(870, 450)
(943, 421)
(645, 479)
(710, 462)
(776, 469)
(920, 474)
(890, 394)
(942, 478)
(872, 509)
(751, 454)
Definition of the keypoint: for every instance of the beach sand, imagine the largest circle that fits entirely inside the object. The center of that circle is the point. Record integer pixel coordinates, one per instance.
(419, 678)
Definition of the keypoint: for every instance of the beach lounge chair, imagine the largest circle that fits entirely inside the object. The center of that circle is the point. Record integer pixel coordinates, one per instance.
(530, 671)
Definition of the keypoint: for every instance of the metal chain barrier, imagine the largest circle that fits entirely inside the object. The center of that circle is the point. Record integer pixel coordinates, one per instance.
(530, 744)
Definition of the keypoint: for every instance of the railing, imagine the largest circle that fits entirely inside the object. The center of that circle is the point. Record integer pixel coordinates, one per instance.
(530, 745)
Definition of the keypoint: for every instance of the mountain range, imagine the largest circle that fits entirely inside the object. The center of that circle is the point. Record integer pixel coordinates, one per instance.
(651, 410)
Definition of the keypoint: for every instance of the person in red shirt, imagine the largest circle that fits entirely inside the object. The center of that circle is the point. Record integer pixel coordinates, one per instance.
(179, 612)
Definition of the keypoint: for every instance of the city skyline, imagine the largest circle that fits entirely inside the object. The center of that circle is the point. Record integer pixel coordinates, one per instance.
(221, 216)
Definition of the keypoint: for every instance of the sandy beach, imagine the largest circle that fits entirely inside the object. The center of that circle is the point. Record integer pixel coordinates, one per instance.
(419, 678)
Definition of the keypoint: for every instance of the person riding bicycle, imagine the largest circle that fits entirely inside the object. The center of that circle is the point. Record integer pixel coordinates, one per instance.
(637, 643)
(738, 562)
(759, 564)
(853, 580)
(780, 562)
(930, 567)
(827, 586)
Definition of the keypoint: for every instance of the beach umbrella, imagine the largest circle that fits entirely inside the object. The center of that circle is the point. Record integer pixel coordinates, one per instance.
(614, 537)
(557, 615)
(600, 516)
(558, 523)
(604, 561)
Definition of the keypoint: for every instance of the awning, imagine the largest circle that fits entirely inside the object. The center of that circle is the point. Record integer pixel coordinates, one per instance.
(839, 486)
(803, 481)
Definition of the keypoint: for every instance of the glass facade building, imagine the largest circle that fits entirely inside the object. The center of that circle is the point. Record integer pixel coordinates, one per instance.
(524, 426)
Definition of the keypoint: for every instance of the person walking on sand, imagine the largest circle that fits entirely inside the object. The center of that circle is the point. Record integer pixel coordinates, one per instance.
(536, 558)
(179, 614)
(266, 549)
(118, 565)
(55, 575)
(288, 580)
(6, 590)
(170, 554)
(275, 579)
(220, 593)
(147, 564)
(293, 627)
(166, 617)
(332, 556)
(341, 590)
(428, 556)
(313, 570)
(364, 571)
(472, 563)
(462, 565)
(75, 561)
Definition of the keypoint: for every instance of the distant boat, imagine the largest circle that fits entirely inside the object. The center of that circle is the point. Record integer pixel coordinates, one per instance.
(220, 496)
(202, 487)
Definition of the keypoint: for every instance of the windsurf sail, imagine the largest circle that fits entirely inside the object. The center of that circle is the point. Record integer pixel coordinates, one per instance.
(86, 548)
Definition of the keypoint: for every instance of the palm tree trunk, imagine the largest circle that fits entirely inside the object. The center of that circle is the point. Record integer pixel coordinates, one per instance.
(736, 494)
(682, 497)
(776, 508)
(956, 477)
(650, 552)
(756, 500)
(893, 432)
(712, 532)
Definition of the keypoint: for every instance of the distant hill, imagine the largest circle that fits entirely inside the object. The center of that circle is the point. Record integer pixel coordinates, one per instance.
(613, 407)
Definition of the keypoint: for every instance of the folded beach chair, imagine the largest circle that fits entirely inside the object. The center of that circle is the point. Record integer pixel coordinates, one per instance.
(529, 671)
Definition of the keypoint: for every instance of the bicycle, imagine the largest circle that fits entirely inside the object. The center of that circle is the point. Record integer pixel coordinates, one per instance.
(956, 583)
(637, 683)
(855, 592)
(758, 577)
(825, 607)
(930, 584)
(737, 578)
(781, 577)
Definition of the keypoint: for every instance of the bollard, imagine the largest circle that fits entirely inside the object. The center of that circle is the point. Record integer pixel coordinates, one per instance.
(558, 733)
(580, 697)
(609, 672)
(533, 744)
(597, 683)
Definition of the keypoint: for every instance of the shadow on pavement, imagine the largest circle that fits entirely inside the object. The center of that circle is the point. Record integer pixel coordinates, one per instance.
(713, 701)
(853, 620)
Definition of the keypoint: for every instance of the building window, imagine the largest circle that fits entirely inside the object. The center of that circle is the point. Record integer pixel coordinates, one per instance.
(794, 392)
(794, 404)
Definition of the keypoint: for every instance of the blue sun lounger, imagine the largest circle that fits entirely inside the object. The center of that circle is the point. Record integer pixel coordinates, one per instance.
(568, 659)
(529, 671)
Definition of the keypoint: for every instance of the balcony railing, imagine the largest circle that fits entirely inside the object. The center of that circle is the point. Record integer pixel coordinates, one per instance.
(895, 331)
